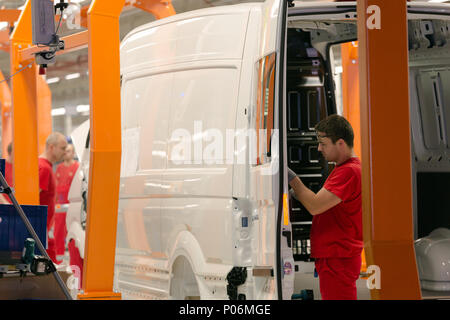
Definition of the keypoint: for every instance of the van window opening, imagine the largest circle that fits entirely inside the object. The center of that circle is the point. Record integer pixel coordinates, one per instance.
(265, 104)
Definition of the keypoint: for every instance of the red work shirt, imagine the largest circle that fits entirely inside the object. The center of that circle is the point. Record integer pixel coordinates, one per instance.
(9, 177)
(337, 232)
(47, 183)
(9, 173)
(64, 176)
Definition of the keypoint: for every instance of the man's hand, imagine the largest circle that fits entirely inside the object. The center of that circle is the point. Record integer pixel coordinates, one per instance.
(314, 203)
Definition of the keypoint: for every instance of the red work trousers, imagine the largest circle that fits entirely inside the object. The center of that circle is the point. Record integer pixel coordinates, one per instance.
(60, 233)
(75, 259)
(51, 246)
(337, 277)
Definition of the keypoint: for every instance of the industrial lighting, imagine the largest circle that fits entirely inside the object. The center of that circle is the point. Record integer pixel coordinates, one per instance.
(53, 80)
(437, 1)
(58, 112)
(82, 108)
(73, 76)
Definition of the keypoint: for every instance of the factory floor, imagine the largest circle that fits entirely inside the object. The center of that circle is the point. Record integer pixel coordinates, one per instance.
(305, 279)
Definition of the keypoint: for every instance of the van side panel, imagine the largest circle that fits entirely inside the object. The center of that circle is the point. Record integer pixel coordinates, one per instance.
(199, 187)
(145, 113)
(190, 68)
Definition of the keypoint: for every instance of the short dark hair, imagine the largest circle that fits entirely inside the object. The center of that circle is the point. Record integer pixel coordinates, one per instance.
(9, 149)
(336, 127)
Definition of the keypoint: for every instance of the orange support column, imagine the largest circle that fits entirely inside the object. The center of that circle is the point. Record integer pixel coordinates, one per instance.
(105, 154)
(44, 105)
(350, 90)
(350, 99)
(386, 149)
(23, 86)
(104, 82)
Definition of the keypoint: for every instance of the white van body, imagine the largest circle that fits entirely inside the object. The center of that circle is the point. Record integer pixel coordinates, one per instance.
(433, 256)
(194, 71)
(184, 227)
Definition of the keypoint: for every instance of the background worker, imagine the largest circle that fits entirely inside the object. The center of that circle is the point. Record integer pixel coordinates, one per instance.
(55, 148)
(336, 231)
(64, 174)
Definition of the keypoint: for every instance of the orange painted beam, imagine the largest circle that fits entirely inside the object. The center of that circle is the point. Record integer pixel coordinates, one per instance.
(10, 15)
(4, 41)
(350, 99)
(105, 150)
(386, 148)
(5, 101)
(73, 42)
(24, 123)
(44, 113)
(159, 8)
(350, 90)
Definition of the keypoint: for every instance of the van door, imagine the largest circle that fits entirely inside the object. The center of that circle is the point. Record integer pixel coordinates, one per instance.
(270, 170)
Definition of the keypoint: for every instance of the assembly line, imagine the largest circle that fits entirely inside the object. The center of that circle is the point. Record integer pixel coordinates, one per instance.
(230, 150)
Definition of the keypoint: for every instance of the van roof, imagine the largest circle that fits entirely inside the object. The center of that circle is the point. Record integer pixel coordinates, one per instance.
(244, 7)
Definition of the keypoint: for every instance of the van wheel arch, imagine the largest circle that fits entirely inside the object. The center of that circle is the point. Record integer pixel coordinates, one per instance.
(183, 284)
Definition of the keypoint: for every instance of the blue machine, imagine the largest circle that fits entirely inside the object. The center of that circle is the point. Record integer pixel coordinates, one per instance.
(21, 229)
(13, 231)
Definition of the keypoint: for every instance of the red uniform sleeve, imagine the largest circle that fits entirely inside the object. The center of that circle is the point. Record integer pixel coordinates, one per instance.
(342, 183)
(44, 178)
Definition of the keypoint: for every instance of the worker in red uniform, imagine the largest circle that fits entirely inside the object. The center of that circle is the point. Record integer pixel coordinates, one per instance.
(55, 149)
(336, 231)
(65, 172)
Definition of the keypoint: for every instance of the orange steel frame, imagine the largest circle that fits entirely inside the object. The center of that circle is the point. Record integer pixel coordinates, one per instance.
(386, 150)
(350, 101)
(25, 115)
(102, 39)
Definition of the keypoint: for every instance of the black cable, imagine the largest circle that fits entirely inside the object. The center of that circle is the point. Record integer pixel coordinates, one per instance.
(9, 78)
(60, 18)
